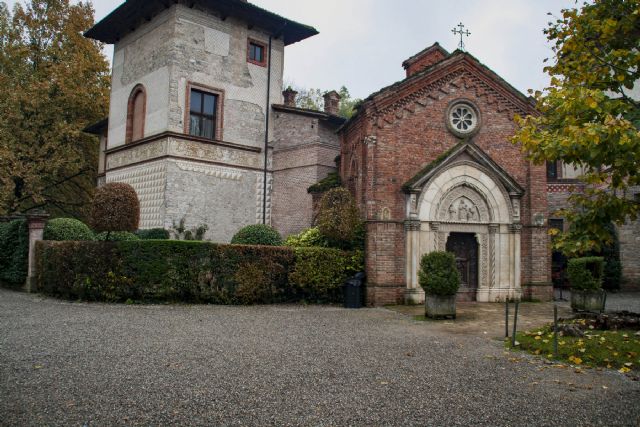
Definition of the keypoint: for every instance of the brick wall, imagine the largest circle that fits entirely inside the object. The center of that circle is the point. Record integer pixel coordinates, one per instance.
(403, 129)
(305, 149)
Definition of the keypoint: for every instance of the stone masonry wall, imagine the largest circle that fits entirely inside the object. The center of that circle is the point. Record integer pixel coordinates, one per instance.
(213, 53)
(629, 235)
(204, 182)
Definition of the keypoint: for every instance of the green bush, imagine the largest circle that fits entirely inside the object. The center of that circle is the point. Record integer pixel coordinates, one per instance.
(320, 273)
(309, 238)
(332, 180)
(438, 274)
(192, 272)
(116, 236)
(62, 229)
(338, 219)
(14, 252)
(257, 234)
(153, 234)
(585, 274)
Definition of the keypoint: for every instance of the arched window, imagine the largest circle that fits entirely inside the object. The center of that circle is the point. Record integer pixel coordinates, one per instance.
(136, 113)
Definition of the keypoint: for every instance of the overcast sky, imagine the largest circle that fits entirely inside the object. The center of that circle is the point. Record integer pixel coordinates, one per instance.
(362, 43)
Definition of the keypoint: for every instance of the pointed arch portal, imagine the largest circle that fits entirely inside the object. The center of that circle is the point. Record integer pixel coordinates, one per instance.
(467, 205)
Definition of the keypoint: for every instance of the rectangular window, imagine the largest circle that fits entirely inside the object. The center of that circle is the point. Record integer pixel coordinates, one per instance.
(202, 114)
(257, 53)
(552, 170)
(558, 224)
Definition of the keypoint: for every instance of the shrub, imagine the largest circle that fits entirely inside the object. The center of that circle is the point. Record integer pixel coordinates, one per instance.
(118, 236)
(153, 234)
(181, 232)
(438, 274)
(187, 271)
(338, 218)
(14, 252)
(115, 207)
(320, 273)
(257, 234)
(61, 229)
(331, 181)
(585, 274)
(311, 237)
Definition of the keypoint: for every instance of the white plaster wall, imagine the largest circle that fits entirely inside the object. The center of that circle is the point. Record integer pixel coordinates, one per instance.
(142, 57)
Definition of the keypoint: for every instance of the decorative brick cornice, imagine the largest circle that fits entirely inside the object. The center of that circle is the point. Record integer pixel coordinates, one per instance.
(460, 77)
(565, 187)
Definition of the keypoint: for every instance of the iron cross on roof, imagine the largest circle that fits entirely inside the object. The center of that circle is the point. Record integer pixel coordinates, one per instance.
(462, 33)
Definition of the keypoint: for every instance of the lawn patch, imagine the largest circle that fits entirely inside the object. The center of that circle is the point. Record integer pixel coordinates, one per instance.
(610, 349)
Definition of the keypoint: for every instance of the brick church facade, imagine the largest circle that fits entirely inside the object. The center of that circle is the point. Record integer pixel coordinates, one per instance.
(430, 162)
(200, 126)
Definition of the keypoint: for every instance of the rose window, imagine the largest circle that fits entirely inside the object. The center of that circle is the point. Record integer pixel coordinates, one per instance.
(463, 118)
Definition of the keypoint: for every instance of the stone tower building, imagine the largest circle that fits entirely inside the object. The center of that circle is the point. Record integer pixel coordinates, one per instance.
(431, 166)
(191, 124)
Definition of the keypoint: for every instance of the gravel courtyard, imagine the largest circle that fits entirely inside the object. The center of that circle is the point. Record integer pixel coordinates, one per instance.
(78, 364)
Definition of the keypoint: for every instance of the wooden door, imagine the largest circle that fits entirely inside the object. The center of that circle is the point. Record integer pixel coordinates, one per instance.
(465, 248)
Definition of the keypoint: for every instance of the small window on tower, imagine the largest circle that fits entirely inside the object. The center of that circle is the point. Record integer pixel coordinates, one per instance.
(257, 53)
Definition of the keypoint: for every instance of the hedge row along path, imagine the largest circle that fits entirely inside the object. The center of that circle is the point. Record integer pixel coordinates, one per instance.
(65, 363)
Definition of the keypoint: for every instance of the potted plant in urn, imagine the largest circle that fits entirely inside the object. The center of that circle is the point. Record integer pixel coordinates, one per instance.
(585, 278)
(440, 279)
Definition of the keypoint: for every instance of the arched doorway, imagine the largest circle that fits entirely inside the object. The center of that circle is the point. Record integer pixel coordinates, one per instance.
(468, 205)
(465, 248)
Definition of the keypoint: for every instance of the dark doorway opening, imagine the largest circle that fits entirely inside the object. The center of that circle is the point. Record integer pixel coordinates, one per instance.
(465, 247)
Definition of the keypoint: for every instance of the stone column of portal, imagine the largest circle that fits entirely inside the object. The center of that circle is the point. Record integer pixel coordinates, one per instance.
(36, 223)
(413, 294)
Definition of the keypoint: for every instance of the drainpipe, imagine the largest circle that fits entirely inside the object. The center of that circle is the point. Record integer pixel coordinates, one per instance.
(266, 131)
(266, 135)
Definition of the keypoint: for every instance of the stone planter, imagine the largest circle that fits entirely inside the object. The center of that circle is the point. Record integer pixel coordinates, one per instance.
(588, 300)
(440, 307)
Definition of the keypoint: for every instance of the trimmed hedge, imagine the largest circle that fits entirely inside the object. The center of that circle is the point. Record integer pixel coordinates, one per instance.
(193, 272)
(62, 229)
(585, 274)
(153, 234)
(116, 236)
(115, 207)
(257, 234)
(14, 252)
(438, 274)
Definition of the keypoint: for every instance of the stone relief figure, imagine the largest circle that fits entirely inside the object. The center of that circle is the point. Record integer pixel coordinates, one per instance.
(471, 215)
(462, 211)
(452, 212)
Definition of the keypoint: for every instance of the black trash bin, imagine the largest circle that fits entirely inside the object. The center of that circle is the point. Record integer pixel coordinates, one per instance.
(354, 292)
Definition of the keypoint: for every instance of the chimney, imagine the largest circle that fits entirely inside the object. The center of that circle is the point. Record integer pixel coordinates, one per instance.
(290, 97)
(332, 102)
(425, 59)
